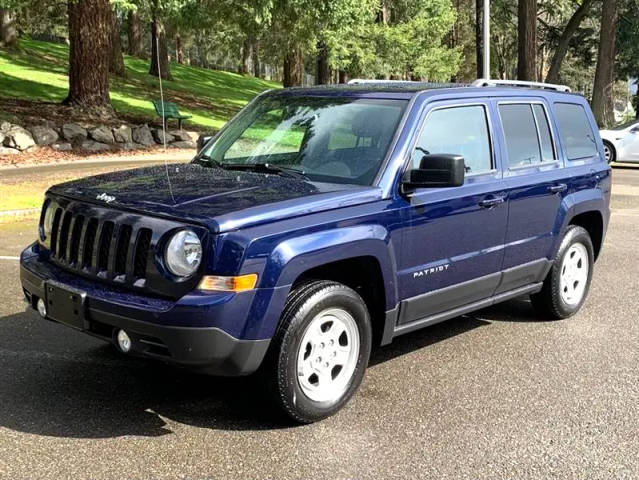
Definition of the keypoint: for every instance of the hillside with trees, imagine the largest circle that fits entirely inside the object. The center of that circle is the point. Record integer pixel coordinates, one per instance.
(587, 44)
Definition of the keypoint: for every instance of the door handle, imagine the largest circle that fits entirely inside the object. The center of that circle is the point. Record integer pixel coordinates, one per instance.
(561, 187)
(491, 202)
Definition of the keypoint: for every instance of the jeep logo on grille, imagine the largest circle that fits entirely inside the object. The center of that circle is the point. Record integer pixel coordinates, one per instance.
(105, 198)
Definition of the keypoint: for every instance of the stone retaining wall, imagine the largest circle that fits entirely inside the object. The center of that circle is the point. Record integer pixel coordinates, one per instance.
(100, 138)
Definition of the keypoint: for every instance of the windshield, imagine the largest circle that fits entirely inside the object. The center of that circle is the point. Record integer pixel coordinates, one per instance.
(335, 140)
(625, 125)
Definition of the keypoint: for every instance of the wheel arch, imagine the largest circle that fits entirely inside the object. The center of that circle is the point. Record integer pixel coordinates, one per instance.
(592, 221)
(362, 274)
(360, 257)
(587, 209)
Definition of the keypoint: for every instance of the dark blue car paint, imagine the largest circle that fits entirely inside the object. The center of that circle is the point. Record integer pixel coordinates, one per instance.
(266, 228)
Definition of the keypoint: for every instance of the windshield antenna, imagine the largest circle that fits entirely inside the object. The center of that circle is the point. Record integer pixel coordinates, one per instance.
(166, 165)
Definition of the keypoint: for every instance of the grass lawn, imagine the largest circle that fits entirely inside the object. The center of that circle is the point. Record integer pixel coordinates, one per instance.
(38, 71)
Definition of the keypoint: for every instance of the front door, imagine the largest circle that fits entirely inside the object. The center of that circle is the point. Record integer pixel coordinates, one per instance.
(453, 237)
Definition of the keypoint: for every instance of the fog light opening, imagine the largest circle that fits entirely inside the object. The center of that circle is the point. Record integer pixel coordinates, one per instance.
(42, 308)
(124, 341)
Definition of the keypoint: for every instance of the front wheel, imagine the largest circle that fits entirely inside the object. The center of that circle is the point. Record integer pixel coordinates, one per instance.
(320, 351)
(565, 288)
(609, 152)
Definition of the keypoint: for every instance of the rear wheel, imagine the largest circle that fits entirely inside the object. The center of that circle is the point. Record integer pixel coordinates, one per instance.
(609, 152)
(566, 286)
(320, 352)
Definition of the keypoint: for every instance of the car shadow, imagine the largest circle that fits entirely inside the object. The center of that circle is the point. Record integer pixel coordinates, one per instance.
(57, 382)
(517, 310)
(61, 383)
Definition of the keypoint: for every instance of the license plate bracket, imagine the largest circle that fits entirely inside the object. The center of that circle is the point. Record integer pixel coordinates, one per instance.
(66, 305)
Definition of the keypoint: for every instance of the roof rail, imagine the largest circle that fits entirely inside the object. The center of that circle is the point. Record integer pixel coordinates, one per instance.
(360, 81)
(399, 83)
(484, 82)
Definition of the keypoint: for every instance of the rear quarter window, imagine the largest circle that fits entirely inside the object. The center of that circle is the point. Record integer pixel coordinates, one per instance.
(576, 134)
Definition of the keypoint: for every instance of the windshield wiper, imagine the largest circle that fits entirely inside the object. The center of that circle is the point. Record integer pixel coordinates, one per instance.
(283, 170)
(208, 161)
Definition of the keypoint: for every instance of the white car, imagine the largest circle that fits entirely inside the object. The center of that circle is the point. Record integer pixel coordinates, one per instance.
(621, 144)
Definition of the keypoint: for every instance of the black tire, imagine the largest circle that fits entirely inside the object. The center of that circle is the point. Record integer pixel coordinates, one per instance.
(548, 302)
(613, 152)
(280, 367)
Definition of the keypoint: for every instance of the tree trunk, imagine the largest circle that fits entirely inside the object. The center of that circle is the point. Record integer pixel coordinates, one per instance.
(89, 40)
(343, 77)
(8, 34)
(159, 49)
(323, 73)
(136, 40)
(179, 54)
(256, 57)
(564, 41)
(293, 67)
(479, 45)
(602, 105)
(527, 50)
(383, 16)
(116, 60)
(245, 64)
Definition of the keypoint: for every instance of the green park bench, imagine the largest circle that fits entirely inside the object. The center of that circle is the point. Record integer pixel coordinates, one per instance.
(170, 110)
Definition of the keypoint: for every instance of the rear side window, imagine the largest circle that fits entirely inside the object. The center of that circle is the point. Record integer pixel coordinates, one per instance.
(527, 133)
(545, 138)
(520, 131)
(575, 131)
(460, 131)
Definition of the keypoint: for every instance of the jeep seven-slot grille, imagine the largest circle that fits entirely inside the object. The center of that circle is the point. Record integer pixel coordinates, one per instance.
(98, 247)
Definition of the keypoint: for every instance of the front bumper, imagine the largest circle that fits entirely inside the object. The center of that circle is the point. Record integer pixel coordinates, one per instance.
(208, 349)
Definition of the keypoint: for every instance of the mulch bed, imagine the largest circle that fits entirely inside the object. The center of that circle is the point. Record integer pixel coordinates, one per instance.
(29, 112)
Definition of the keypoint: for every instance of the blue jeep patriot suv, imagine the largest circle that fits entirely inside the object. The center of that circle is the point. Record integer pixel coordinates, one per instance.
(321, 221)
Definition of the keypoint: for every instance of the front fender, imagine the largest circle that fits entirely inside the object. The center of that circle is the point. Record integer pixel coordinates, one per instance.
(294, 256)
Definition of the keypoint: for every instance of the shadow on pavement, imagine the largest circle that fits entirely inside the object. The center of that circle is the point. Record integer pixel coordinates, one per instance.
(79, 392)
(57, 382)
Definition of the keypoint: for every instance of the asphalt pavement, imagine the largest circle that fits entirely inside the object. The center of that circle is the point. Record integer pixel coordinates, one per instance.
(493, 395)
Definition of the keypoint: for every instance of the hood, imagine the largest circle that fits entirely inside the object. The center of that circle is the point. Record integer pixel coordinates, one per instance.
(221, 199)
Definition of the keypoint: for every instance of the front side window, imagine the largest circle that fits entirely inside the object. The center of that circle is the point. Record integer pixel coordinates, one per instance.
(329, 139)
(575, 131)
(459, 131)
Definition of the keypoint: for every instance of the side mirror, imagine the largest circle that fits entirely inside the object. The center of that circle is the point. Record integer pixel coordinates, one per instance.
(635, 130)
(203, 140)
(435, 171)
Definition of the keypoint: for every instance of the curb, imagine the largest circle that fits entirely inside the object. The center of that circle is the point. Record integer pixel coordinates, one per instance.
(131, 159)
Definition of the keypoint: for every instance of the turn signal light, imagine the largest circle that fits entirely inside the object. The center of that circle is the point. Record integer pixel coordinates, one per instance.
(228, 284)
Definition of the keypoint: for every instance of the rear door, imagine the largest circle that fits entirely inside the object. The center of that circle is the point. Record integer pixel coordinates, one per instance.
(453, 237)
(536, 183)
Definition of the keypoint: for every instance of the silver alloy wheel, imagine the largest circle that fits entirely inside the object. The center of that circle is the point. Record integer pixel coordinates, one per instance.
(574, 274)
(328, 355)
(607, 153)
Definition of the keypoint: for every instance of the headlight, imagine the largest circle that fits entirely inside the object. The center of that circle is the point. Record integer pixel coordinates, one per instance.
(47, 222)
(183, 253)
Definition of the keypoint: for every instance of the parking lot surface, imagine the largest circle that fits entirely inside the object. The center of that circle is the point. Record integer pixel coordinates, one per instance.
(493, 395)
